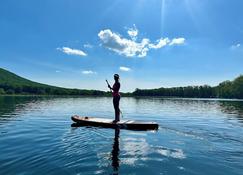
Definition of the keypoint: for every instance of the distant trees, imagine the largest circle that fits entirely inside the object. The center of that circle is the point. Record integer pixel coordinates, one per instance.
(42, 90)
(238, 87)
(14, 84)
(231, 89)
(189, 91)
(226, 89)
(2, 91)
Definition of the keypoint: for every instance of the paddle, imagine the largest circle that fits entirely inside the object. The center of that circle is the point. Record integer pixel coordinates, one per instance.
(108, 84)
(111, 91)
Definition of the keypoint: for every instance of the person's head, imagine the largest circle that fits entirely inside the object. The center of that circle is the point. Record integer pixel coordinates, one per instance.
(116, 77)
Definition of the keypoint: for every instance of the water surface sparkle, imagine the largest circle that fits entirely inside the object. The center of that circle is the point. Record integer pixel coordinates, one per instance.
(195, 137)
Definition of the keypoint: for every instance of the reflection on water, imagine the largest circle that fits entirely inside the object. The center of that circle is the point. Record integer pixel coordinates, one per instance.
(233, 107)
(9, 104)
(115, 151)
(195, 137)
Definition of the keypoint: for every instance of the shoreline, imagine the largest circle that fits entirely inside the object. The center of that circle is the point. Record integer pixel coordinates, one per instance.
(127, 96)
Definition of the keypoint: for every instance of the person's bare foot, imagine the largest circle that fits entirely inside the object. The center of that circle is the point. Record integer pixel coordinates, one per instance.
(115, 121)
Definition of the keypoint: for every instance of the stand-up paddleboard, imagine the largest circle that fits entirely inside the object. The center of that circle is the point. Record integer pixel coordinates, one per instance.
(108, 123)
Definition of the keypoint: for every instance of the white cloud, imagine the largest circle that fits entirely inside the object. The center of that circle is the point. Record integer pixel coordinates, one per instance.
(86, 72)
(236, 46)
(123, 46)
(177, 41)
(57, 71)
(125, 69)
(88, 46)
(160, 43)
(133, 32)
(70, 51)
(130, 47)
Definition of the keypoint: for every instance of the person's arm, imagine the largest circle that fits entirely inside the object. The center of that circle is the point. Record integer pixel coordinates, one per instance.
(110, 87)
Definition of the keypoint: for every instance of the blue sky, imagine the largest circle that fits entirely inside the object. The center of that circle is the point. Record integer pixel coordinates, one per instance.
(150, 43)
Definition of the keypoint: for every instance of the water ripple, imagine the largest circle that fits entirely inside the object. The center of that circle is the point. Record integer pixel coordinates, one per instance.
(195, 137)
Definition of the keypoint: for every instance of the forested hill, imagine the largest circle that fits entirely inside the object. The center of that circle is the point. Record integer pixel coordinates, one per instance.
(11, 83)
(226, 89)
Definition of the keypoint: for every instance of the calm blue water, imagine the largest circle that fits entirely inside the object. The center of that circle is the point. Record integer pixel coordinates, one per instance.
(195, 137)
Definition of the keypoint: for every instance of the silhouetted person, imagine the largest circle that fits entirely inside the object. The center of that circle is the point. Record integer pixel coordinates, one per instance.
(116, 97)
(115, 152)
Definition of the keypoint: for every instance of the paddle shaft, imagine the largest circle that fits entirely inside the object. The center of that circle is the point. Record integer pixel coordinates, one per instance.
(108, 84)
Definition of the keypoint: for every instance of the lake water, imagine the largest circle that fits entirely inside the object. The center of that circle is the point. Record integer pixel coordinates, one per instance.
(195, 137)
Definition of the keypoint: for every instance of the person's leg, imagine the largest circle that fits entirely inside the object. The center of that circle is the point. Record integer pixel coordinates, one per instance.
(116, 107)
(114, 104)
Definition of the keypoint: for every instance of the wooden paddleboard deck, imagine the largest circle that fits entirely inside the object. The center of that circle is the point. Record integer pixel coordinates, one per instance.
(108, 123)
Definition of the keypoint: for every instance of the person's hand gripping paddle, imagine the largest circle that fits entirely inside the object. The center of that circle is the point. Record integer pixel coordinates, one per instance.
(108, 85)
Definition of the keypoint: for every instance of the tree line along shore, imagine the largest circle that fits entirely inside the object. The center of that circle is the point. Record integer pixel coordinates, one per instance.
(12, 84)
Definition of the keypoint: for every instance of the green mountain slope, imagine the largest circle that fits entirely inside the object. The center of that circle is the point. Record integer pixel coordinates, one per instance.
(9, 78)
(11, 83)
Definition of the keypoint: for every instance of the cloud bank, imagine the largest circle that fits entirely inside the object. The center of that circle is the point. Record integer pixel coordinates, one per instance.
(123, 46)
(130, 47)
(70, 51)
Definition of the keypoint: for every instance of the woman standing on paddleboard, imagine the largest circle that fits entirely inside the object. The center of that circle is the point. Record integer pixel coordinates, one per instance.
(116, 97)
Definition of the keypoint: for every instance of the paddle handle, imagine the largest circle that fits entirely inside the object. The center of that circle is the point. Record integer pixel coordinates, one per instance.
(108, 83)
